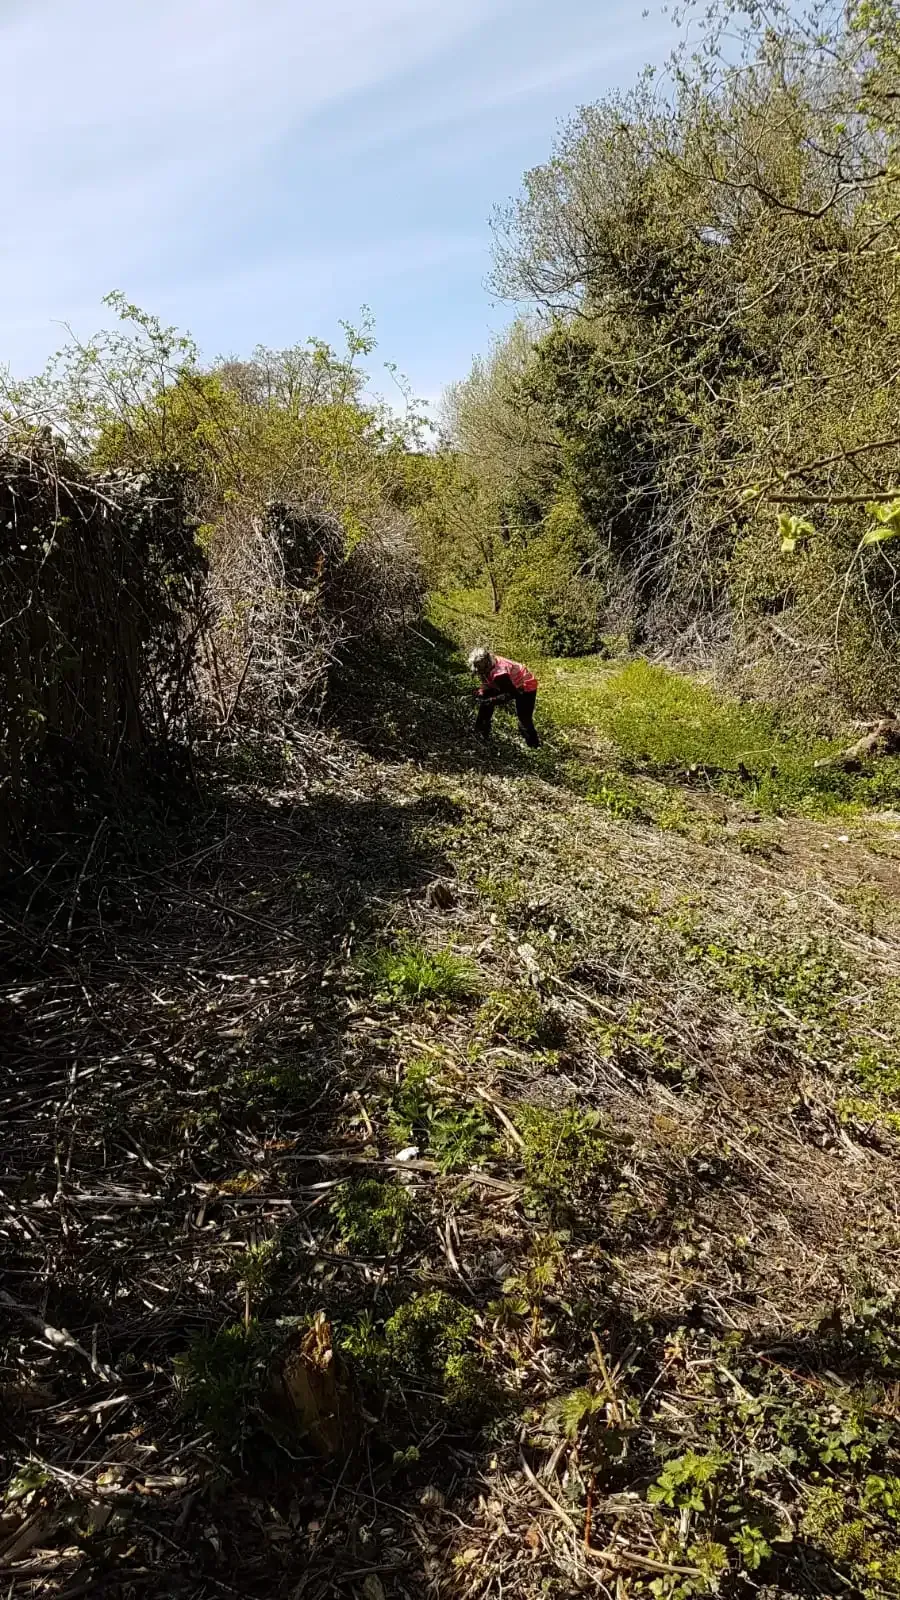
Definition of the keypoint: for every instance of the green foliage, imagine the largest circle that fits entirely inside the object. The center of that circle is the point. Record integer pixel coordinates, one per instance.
(409, 971)
(218, 1378)
(802, 979)
(372, 1215)
(429, 1339)
(550, 603)
(25, 1481)
(885, 522)
(636, 1048)
(792, 530)
(720, 334)
(752, 1547)
(689, 1482)
(853, 1541)
(516, 1015)
(566, 1157)
(256, 1267)
(615, 794)
(428, 1330)
(573, 1412)
(425, 1112)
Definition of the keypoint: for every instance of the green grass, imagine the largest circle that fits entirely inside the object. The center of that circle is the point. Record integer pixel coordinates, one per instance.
(664, 724)
(409, 971)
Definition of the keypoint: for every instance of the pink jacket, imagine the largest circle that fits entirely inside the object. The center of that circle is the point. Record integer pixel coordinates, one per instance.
(519, 676)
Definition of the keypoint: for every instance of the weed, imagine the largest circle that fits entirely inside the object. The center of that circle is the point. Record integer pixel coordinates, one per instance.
(25, 1481)
(873, 907)
(609, 792)
(852, 1539)
(426, 1113)
(372, 1215)
(803, 980)
(572, 1412)
(514, 1015)
(760, 842)
(688, 1483)
(524, 1292)
(505, 893)
(635, 1048)
(219, 1380)
(460, 1136)
(428, 1339)
(566, 1160)
(256, 1267)
(410, 972)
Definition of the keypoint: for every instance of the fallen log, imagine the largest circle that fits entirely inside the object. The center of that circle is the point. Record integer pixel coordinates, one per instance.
(883, 739)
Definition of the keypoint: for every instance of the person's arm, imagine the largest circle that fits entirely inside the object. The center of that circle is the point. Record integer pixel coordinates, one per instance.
(501, 688)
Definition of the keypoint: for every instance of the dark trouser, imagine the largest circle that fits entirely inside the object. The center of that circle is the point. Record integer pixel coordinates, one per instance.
(524, 702)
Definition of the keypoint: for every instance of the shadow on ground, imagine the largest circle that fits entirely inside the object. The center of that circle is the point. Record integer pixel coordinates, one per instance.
(162, 1057)
(420, 706)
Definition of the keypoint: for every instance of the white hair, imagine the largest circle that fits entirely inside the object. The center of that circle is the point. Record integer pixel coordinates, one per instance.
(479, 657)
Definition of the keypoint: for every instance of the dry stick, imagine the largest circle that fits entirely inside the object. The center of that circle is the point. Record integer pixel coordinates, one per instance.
(501, 1116)
(561, 1514)
(340, 1159)
(60, 1338)
(612, 1555)
(241, 681)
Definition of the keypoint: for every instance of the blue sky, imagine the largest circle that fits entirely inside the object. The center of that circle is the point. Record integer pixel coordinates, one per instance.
(254, 170)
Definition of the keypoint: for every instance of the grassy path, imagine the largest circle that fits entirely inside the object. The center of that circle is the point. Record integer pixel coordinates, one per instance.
(564, 1091)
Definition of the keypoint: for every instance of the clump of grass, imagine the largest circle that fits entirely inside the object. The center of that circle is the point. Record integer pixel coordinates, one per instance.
(371, 1215)
(609, 792)
(515, 1015)
(425, 1112)
(759, 842)
(409, 971)
(567, 1160)
(219, 1380)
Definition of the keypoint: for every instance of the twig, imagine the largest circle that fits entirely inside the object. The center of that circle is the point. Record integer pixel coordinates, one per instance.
(60, 1338)
(501, 1116)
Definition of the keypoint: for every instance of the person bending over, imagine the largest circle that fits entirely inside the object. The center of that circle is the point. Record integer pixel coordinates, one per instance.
(504, 683)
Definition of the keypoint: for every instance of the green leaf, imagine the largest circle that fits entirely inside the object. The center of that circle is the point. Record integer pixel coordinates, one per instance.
(791, 530)
(885, 522)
